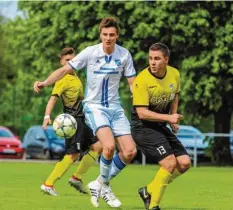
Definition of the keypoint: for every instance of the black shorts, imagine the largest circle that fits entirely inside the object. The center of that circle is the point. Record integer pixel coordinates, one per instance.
(82, 139)
(157, 142)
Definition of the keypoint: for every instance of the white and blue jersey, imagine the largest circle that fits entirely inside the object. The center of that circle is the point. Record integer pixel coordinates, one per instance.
(103, 73)
(102, 87)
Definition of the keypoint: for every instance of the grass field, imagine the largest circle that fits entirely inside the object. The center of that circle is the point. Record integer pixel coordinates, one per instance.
(200, 189)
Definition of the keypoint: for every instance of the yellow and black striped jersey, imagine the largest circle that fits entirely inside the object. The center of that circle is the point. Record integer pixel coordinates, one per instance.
(156, 93)
(70, 89)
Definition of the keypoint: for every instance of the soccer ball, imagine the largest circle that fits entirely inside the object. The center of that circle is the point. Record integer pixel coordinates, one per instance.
(65, 125)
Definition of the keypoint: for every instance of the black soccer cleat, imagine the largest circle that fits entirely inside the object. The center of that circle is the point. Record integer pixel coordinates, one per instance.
(146, 197)
(155, 208)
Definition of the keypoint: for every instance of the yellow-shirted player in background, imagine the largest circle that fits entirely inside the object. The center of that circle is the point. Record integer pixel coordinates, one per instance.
(155, 101)
(70, 89)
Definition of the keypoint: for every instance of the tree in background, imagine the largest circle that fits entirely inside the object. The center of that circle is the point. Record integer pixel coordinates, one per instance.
(198, 33)
(207, 68)
(7, 72)
(5, 69)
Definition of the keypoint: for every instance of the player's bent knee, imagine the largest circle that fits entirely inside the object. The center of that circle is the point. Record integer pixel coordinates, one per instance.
(169, 163)
(97, 147)
(134, 152)
(184, 164)
(108, 151)
(129, 154)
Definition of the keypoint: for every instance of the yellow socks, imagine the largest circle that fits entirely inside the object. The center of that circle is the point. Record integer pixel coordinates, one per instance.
(175, 174)
(59, 170)
(157, 187)
(66, 162)
(86, 162)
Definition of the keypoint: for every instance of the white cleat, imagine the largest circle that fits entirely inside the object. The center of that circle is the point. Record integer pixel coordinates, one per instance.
(48, 190)
(95, 189)
(109, 197)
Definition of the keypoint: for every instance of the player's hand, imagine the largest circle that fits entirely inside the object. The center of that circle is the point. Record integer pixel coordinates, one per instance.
(38, 86)
(174, 127)
(45, 123)
(175, 118)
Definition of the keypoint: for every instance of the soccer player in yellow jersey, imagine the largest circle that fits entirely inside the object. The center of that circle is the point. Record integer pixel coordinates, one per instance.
(155, 101)
(70, 89)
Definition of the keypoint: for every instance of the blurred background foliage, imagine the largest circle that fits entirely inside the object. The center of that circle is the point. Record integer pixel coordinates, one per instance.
(199, 34)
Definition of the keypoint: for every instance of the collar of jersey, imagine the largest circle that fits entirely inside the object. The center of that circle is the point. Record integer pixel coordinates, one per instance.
(155, 75)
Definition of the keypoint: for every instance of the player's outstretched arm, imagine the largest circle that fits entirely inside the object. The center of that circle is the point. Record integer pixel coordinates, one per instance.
(51, 103)
(55, 76)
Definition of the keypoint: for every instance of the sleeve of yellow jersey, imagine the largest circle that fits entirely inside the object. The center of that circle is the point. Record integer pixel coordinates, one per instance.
(140, 92)
(58, 88)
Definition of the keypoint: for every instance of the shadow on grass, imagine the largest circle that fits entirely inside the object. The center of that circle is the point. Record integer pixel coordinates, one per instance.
(171, 208)
(168, 208)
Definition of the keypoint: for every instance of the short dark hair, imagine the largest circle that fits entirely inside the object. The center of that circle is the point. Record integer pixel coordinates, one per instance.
(66, 51)
(160, 47)
(109, 22)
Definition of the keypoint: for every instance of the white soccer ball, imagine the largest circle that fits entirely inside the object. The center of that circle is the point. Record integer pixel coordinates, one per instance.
(65, 125)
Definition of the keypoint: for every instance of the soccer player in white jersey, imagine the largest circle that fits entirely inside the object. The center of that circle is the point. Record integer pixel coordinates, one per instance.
(105, 63)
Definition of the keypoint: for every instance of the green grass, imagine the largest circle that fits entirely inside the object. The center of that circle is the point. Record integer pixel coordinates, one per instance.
(200, 189)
